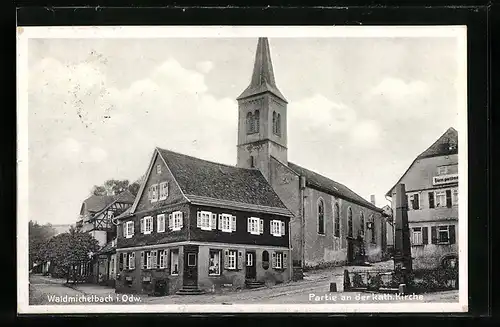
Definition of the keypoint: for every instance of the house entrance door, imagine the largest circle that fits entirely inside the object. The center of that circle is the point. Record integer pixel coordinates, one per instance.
(190, 266)
(251, 269)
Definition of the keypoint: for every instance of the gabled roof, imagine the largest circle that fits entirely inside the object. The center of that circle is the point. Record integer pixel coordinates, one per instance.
(98, 203)
(200, 179)
(263, 73)
(327, 185)
(446, 144)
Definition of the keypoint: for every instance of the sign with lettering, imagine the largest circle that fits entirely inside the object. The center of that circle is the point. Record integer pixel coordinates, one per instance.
(445, 179)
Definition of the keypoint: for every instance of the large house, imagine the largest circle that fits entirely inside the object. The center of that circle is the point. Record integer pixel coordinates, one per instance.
(198, 224)
(96, 218)
(431, 184)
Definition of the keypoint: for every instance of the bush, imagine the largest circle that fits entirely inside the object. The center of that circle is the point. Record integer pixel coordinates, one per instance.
(375, 282)
(357, 280)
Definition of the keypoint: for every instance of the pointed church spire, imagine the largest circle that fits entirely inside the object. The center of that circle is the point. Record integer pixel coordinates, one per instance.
(263, 74)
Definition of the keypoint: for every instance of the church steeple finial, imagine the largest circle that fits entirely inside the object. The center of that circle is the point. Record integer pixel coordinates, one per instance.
(263, 73)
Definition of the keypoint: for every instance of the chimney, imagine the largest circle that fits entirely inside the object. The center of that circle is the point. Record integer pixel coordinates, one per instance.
(372, 199)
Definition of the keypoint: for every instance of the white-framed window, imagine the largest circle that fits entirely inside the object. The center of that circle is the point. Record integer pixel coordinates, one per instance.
(175, 221)
(154, 192)
(163, 190)
(174, 262)
(279, 260)
(214, 263)
(417, 236)
(160, 223)
(250, 259)
(277, 228)
(231, 256)
(443, 234)
(442, 170)
(128, 230)
(255, 225)
(147, 225)
(227, 223)
(146, 258)
(206, 220)
(455, 196)
(440, 198)
(162, 259)
(158, 169)
(131, 260)
(413, 201)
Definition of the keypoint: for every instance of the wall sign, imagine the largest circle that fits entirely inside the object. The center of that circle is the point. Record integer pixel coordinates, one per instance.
(445, 179)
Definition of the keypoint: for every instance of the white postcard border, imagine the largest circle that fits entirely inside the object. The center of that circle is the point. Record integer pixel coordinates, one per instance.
(25, 33)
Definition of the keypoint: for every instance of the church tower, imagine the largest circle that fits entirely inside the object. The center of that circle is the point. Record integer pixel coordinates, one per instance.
(262, 122)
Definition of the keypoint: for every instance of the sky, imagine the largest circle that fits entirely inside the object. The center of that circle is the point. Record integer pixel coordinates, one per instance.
(360, 109)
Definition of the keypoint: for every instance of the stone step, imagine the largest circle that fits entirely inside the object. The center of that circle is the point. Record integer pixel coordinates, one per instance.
(189, 291)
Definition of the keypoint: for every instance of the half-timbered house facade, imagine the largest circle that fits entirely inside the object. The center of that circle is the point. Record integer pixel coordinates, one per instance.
(199, 226)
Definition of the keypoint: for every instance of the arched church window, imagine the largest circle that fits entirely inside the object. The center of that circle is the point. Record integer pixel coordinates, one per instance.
(278, 125)
(362, 223)
(249, 123)
(336, 232)
(321, 216)
(274, 123)
(256, 121)
(349, 222)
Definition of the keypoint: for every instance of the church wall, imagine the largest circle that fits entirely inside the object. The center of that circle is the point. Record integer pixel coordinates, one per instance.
(325, 249)
(286, 184)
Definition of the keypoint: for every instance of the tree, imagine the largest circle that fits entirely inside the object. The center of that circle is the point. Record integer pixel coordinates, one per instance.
(38, 235)
(68, 250)
(115, 186)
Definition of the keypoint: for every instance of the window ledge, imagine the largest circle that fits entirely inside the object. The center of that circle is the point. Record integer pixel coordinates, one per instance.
(174, 274)
(213, 275)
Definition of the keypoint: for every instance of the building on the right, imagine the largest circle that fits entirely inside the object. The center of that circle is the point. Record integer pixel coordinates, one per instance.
(431, 184)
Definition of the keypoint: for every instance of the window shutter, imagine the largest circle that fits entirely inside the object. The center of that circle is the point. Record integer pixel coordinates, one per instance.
(142, 225)
(408, 201)
(271, 227)
(285, 261)
(282, 228)
(416, 202)
(240, 260)
(261, 226)
(248, 225)
(198, 219)
(452, 234)
(431, 200)
(154, 259)
(167, 259)
(170, 221)
(433, 235)
(448, 198)
(220, 221)
(233, 225)
(125, 260)
(425, 235)
(166, 189)
(132, 261)
(120, 263)
(124, 229)
(273, 260)
(226, 259)
(181, 215)
(133, 226)
(213, 222)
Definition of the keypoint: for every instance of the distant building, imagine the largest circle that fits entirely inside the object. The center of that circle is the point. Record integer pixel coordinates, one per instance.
(431, 184)
(97, 214)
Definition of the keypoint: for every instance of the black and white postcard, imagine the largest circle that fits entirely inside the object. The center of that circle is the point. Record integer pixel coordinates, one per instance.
(242, 169)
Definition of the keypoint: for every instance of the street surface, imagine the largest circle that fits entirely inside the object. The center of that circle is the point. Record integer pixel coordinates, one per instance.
(313, 289)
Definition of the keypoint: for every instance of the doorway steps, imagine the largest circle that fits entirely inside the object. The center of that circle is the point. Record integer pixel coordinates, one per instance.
(190, 290)
(254, 284)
